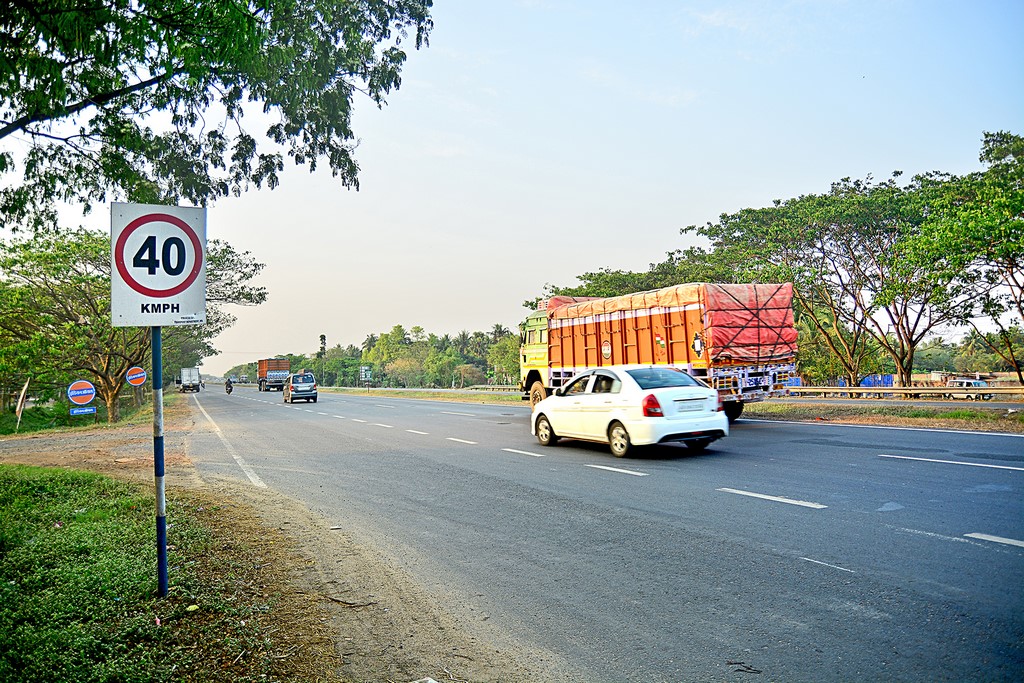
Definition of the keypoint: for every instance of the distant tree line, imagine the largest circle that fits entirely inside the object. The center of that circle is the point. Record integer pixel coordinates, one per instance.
(412, 358)
(880, 269)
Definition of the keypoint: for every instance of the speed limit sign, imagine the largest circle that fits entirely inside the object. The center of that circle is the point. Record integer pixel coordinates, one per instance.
(157, 265)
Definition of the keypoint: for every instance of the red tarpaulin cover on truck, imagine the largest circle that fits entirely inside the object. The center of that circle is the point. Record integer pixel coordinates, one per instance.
(743, 323)
(750, 323)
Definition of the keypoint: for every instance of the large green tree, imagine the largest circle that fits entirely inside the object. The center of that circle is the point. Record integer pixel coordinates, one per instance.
(164, 101)
(976, 225)
(55, 298)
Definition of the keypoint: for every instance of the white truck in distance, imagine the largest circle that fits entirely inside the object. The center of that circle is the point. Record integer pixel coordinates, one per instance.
(190, 380)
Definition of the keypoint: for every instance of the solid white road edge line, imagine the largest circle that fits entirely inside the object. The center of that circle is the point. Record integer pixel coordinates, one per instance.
(253, 477)
(616, 469)
(953, 462)
(512, 450)
(826, 564)
(996, 539)
(777, 499)
(471, 443)
(445, 412)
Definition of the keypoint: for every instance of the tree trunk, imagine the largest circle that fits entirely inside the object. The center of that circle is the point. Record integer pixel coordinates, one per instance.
(110, 394)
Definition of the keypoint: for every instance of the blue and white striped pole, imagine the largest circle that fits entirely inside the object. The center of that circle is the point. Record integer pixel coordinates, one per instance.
(158, 463)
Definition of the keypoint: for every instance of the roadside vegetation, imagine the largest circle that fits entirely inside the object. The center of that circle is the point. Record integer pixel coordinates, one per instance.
(57, 415)
(969, 419)
(78, 584)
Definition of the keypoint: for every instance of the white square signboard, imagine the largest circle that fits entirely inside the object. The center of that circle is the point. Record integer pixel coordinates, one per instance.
(157, 265)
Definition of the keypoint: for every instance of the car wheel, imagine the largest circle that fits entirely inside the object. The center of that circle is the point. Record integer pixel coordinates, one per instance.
(618, 440)
(537, 393)
(545, 434)
(698, 445)
(314, 400)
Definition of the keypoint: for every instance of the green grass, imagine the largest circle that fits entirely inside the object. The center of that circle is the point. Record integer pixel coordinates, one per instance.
(56, 416)
(464, 396)
(965, 418)
(78, 588)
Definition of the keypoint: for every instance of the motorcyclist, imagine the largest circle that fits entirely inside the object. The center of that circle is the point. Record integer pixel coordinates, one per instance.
(227, 385)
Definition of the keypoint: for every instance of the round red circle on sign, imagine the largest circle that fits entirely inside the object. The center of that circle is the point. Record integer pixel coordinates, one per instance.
(606, 349)
(136, 376)
(81, 392)
(125, 273)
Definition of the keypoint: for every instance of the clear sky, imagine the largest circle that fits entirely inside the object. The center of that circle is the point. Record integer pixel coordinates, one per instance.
(537, 140)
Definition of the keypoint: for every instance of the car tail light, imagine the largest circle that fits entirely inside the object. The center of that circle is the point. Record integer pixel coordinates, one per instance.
(314, 386)
(721, 404)
(651, 407)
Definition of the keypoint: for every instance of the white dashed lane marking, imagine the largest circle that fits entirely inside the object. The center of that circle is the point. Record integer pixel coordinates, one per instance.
(512, 450)
(777, 499)
(996, 539)
(953, 462)
(616, 469)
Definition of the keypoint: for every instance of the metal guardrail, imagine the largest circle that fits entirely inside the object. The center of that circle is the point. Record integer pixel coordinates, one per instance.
(493, 387)
(916, 392)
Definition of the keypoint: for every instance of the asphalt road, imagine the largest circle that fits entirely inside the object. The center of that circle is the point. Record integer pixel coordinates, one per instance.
(785, 552)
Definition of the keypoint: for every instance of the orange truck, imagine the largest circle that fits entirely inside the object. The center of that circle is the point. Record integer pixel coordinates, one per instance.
(271, 373)
(738, 338)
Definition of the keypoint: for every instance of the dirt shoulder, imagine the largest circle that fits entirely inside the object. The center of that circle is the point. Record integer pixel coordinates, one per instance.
(344, 612)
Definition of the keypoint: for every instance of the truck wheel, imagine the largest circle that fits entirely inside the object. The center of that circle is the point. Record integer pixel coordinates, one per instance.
(733, 410)
(618, 440)
(545, 434)
(537, 393)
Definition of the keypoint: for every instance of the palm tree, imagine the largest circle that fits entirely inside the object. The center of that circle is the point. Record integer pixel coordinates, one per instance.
(369, 342)
(461, 341)
(499, 331)
(478, 345)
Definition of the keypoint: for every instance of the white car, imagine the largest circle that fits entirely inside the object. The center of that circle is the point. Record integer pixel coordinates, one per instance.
(632, 406)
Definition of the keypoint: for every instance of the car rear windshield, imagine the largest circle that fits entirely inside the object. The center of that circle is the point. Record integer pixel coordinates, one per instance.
(303, 379)
(657, 378)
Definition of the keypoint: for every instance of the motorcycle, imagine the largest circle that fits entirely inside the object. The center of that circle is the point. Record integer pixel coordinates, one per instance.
(227, 388)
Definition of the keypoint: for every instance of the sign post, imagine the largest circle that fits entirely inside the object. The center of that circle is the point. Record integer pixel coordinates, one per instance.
(158, 277)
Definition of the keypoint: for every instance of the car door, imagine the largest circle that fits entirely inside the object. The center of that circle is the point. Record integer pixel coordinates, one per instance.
(565, 413)
(596, 405)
